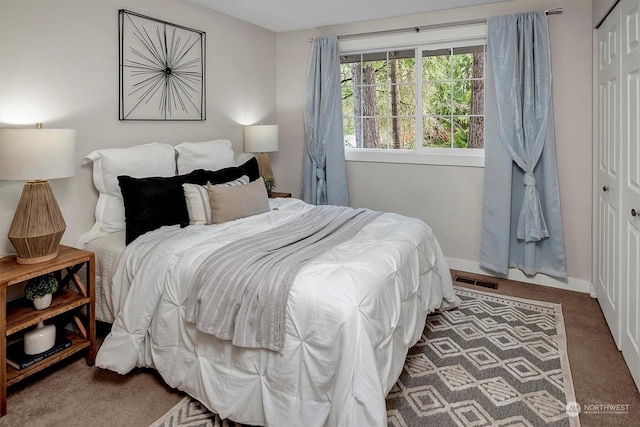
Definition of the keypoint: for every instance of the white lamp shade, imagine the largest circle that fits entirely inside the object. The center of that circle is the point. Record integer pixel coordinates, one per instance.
(37, 154)
(261, 138)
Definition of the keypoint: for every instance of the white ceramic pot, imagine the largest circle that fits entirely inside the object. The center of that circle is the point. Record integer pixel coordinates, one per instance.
(42, 302)
(41, 339)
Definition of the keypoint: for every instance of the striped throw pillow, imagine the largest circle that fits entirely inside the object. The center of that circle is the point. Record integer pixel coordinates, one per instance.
(197, 198)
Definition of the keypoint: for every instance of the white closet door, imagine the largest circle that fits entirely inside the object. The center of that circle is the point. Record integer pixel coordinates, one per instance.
(608, 170)
(630, 188)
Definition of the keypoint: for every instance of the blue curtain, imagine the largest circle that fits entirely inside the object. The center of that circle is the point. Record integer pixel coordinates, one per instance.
(324, 172)
(522, 221)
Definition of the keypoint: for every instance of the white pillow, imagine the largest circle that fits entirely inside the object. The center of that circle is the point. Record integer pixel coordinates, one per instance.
(208, 155)
(197, 198)
(139, 161)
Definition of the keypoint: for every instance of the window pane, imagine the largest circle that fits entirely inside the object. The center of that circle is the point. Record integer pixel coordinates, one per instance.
(461, 132)
(378, 72)
(349, 129)
(462, 66)
(437, 131)
(436, 65)
(347, 82)
(364, 101)
(468, 132)
(347, 106)
(476, 132)
(405, 66)
(397, 100)
(406, 133)
(397, 133)
(462, 97)
(379, 98)
(375, 72)
(476, 102)
(384, 130)
(350, 77)
(406, 100)
(370, 132)
(382, 101)
(477, 97)
(346, 74)
(436, 98)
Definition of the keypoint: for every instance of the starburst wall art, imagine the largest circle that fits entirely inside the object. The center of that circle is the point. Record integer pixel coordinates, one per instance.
(162, 70)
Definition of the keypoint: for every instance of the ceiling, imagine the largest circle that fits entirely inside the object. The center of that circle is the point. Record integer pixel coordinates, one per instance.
(290, 15)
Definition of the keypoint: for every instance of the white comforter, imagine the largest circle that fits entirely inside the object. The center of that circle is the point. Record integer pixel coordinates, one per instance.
(352, 314)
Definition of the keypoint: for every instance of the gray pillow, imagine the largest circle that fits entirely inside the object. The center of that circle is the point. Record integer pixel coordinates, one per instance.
(229, 203)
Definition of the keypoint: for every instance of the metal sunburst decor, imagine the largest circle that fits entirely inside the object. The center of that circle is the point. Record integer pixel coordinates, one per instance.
(162, 69)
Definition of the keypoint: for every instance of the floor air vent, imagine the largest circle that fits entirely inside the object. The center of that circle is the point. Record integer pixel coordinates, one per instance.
(470, 281)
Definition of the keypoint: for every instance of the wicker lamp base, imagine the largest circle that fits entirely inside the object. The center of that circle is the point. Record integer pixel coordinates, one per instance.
(38, 225)
(264, 164)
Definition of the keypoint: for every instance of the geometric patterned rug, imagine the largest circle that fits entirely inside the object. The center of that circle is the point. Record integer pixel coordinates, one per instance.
(493, 361)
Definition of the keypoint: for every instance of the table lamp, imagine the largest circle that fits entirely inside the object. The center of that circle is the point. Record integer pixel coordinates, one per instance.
(35, 156)
(261, 139)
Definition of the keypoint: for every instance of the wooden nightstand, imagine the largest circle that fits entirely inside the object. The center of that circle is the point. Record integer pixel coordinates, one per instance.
(73, 294)
(274, 194)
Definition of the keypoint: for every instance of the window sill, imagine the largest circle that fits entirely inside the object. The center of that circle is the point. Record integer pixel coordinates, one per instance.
(453, 157)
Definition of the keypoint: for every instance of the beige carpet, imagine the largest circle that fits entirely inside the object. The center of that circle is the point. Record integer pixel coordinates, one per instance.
(72, 394)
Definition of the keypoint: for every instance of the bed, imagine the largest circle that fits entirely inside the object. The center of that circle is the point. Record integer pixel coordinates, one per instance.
(351, 315)
(107, 249)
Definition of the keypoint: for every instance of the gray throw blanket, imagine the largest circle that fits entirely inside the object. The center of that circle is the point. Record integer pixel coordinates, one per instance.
(240, 291)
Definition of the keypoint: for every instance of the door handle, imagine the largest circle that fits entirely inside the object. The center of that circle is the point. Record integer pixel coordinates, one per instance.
(634, 212)
(605, 188)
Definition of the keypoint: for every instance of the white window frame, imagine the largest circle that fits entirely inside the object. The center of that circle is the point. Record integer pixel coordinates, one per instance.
(431, 39)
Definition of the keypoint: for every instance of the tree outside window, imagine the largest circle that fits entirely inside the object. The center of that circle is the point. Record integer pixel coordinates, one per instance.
(382, 109)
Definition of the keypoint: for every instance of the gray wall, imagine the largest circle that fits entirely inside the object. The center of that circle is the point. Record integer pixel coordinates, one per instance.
(449, 198)
(600, 9)
(59, 66)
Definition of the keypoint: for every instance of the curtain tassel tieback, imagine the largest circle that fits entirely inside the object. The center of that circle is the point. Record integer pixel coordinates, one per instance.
(531, 224)
(529, 179)
(321, 195)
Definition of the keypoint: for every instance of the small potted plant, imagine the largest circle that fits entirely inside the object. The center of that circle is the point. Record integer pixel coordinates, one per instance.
(270, 183)
(40, 290)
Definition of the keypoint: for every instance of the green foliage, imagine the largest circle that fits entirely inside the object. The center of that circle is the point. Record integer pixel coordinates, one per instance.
(270, 183)
(447, 92)
(40, 286)
(447, 99)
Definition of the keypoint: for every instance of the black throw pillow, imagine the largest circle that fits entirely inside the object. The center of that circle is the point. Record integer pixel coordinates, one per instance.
(220, 176)
(150, 203)
(251, 169)
(216, 177)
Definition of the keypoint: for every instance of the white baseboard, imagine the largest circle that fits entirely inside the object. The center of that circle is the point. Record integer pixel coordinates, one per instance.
(571, 284)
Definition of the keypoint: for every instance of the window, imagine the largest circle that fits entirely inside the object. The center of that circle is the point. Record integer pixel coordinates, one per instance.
(453, 97)
(424, 98)
(379, 99)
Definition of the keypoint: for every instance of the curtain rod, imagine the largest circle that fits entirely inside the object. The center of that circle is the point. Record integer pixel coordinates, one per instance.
(556, 11)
